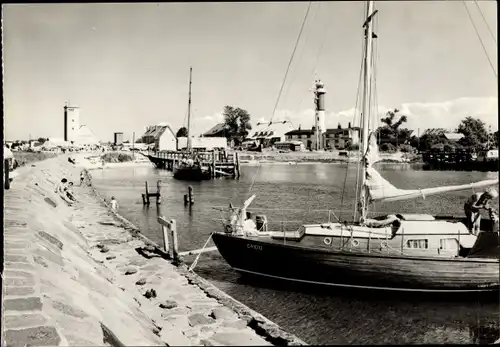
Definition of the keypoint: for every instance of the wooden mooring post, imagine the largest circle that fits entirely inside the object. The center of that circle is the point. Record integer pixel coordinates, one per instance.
(6, 167)
(237, 165)
(169, 228)
(188, 198)
(213, 164)
(147, 195)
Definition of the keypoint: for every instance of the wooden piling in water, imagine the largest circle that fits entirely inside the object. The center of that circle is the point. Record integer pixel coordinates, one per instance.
(158, 193)
(213, 164)
(237, 167)
(188, 198)
(146, 197)
(147, 193)
(6, 168)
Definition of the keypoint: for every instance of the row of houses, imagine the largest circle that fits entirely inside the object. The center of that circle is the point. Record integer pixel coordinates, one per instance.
(336, 138)
(161, 137)
(268, 134)
(271, 133)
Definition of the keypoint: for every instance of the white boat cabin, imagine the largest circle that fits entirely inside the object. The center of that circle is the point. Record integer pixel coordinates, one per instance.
(413, 234)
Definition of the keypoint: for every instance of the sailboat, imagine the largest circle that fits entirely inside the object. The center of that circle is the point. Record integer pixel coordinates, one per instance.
(190, 168)
(403, 251)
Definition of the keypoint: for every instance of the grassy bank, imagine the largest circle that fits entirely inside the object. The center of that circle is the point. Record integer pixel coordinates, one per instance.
(24, 158)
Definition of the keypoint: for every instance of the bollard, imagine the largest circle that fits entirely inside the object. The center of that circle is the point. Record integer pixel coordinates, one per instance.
(6, 168)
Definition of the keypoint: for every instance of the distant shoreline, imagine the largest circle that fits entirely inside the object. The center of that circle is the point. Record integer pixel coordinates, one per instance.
(290, 158)
(251, 158)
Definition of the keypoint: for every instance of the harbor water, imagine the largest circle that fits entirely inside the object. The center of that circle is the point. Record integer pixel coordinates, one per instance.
(292, 194)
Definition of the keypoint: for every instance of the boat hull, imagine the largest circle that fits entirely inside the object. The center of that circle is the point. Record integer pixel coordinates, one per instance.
(351, 269)
(191, 174)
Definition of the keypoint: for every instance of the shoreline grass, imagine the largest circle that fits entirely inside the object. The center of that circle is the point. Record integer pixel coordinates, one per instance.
(24, 158)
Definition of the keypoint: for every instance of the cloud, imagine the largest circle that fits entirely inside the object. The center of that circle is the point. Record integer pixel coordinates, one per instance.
(200, 125)
(447, 114)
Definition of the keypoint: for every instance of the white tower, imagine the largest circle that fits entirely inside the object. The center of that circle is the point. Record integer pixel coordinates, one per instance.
(319, 116)
(71, 122)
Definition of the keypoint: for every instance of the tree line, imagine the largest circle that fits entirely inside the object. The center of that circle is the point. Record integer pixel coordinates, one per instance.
(236, 125)
(392, 136)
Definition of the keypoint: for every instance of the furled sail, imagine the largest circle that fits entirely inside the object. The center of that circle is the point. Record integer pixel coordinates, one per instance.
(381, 190)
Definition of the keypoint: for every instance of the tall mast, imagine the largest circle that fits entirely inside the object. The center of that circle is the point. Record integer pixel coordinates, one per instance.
(188, 145)
(366, 106)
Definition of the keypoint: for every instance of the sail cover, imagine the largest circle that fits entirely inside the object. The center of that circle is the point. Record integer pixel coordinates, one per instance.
(381, 190)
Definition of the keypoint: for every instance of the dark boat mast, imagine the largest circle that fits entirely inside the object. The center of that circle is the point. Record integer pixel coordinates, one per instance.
(188, 142)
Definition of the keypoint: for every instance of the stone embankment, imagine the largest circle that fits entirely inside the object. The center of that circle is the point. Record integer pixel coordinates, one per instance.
(78, 275)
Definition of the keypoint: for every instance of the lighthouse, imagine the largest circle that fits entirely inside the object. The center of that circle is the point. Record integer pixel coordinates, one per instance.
(319, 114)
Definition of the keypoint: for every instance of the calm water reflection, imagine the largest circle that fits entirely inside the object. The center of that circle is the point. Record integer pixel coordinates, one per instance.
(315, 315)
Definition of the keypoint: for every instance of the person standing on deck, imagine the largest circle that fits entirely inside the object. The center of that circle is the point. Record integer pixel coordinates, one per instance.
(82, 178)
(473, 206)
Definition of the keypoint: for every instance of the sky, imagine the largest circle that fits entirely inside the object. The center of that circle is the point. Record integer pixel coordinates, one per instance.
(127, 65)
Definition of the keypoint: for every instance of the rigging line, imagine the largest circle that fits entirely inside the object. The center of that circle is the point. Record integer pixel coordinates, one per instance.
(253, 178)
(301, 52)
(185, 116)
(485, 22)
(314, 70)
(291, 59)
(325, 31)
(354, 117)
(358, 158)
(479, 37)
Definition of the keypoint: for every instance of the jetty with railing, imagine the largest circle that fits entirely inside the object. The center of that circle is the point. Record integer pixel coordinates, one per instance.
(461, 160)
(219, 163)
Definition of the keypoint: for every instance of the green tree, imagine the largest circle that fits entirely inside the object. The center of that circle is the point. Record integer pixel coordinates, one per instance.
(42, 139)
(474, 131)
(237, 123)
(182, 132)
(496, 138)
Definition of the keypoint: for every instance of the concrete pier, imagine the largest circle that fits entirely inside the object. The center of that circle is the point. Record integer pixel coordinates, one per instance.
(81, 275)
